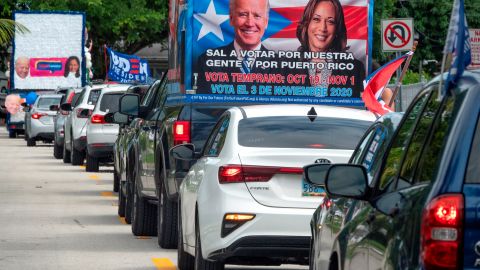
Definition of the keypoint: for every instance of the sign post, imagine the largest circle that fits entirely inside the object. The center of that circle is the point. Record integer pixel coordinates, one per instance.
(397, 36)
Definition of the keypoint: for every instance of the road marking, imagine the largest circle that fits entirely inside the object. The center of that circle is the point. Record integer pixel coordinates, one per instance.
(94, 177)
(164, 264)
(122, 220)
(107, 194)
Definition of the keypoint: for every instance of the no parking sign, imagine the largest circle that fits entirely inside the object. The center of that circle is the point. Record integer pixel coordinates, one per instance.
(397, 35)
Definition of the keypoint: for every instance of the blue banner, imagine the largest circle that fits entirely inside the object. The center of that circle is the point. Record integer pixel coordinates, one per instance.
(126, 68)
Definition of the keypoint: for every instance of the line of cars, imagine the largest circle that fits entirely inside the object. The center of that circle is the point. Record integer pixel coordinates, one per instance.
(224, 183)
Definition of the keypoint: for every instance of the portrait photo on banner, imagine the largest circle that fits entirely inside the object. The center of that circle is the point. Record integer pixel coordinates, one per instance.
(304, 48)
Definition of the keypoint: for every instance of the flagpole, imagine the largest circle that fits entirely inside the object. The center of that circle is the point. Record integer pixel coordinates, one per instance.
(404, 71)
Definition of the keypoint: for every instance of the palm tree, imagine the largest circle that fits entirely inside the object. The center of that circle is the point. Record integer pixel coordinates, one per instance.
(7, 30)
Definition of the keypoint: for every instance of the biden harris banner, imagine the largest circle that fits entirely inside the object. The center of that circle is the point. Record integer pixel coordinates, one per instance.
(298, 49)
(126, 68)
(51, 53)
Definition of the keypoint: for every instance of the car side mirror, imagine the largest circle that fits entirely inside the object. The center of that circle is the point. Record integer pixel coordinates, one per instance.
(347, 180)
(315, 173)
(54, 108)
(183, 152)
(129, 104)
(84, 113)
(24, 104)
(66, 107)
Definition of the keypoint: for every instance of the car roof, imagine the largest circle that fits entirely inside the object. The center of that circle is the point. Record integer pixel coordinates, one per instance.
(303, 110)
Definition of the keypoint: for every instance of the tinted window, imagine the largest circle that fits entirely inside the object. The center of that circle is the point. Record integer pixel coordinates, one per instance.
(357, 155)
(217, 139)
(300, 132)
(430, 159)
(473, 170)
(151, 91)
(419, 136)
(374, 151)
(109, 102)
(395, 154)
(44, 103)
(93, 97)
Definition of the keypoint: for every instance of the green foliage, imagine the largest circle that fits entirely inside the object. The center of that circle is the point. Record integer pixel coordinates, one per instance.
(431, 19)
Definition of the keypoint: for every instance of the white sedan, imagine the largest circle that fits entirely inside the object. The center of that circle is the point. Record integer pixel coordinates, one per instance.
(244, 201)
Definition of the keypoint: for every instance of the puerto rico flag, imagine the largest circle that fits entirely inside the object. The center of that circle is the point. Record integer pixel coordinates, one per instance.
(212, 29)
(376, 82)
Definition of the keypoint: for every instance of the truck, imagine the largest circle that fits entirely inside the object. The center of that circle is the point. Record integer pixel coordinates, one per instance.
(193, 96)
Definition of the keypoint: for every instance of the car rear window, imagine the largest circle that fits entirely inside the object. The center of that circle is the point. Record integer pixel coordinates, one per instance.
(44, 103)
(473, 170)
(109, 102)
(93, 97)
(300, 132)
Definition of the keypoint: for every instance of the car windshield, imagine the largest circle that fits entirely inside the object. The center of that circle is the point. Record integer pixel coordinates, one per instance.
(44, 103)
(109, 102)
(300, 132)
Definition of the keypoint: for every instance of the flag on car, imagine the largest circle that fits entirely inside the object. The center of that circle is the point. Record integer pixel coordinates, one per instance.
(457, 46)
(376, 83)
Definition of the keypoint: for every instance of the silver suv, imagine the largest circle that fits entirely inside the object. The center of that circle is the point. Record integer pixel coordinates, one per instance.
(39, 119)
(101, 136)
(75, 138)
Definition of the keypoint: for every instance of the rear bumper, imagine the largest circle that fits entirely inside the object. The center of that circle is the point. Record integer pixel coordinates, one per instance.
(100, 150)
(283, 249)
(44, 135)
(16, 126)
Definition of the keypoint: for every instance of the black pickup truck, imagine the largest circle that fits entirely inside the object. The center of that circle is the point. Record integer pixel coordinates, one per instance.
(156, 177)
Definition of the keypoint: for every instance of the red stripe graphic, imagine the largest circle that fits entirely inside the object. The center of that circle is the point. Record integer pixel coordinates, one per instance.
(355, 20)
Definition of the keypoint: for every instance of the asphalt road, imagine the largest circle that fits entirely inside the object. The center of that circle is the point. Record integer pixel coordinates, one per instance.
(57, 216)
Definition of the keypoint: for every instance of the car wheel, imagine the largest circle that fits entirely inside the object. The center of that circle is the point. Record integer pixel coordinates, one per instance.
(116, 180)
(143, 215)
(31, 141)
(57, 151)
(12, 134)
(121, 203)
(167, 220)
(200, 262)
(185, 261)
(76, 156)
(66, 154)
(92, 164)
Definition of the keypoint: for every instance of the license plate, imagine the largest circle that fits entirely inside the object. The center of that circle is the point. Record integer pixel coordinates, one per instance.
(311, 190)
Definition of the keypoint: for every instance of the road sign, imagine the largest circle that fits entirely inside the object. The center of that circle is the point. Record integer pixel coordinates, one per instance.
(397, 35)
(475, 47)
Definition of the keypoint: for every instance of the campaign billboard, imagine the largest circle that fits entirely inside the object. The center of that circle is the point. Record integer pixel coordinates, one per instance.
(51, 53)
(314, 51)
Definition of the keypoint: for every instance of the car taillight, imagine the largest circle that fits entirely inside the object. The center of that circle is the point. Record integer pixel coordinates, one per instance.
(38, 115)
(249, 173)
(181, 132)
(97, 119)
(441, 235)
(79, 110)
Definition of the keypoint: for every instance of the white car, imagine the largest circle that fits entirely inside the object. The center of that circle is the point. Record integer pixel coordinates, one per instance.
(102, 135)
(244, 200)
